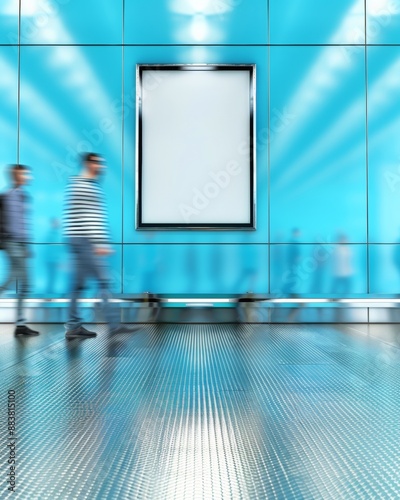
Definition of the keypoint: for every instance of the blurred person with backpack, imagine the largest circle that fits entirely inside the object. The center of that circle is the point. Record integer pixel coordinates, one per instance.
(15, 238)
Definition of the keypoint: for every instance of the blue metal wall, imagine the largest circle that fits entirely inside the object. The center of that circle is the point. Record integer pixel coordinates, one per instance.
(327, 145)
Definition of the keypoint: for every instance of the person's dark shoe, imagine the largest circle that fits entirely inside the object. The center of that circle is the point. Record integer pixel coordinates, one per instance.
(24, 330)
(124, 329)
(89, 332)
(79, 333)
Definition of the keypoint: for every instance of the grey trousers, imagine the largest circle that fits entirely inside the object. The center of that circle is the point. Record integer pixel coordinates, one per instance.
(18, 255)
(87, 264)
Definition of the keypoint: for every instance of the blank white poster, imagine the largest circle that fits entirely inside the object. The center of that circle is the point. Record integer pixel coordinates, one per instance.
(194, 146)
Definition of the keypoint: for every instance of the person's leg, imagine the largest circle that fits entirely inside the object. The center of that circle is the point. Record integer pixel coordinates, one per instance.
(335, 285)
(80, 270)
(20, 260)
(343, 286)
(11, 251)
(21, 272)
(110, 312)
(347, 285)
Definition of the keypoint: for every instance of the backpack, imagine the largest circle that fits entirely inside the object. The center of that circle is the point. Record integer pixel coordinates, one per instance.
(2, 222)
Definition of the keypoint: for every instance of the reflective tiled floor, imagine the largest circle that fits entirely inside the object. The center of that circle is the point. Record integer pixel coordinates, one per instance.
(204, 411)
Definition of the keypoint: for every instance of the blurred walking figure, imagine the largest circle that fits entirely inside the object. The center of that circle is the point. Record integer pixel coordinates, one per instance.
(86, 231)
(292, 279)
(16, 210)
(396, 257)
(53, 260)
(343, 267)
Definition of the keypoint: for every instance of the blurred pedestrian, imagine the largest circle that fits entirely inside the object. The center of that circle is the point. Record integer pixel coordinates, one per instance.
(86, 231)
(396, 257)
(16, 213)
(343, 270)
(293, 279)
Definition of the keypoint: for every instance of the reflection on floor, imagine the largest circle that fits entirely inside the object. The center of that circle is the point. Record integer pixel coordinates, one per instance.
(204, 411)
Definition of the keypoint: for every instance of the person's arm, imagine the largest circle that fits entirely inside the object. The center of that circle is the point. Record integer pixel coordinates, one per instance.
(66, 221)
(7, 204)
(28, 222)
(12, 214)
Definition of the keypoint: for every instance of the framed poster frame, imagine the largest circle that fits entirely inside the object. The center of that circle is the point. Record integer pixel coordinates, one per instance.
(141, 224)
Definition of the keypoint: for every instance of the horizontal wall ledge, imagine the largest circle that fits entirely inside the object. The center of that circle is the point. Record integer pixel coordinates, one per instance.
(217, 309)
(216, 301)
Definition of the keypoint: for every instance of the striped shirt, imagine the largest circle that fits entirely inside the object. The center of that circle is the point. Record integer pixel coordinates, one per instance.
(84, 211)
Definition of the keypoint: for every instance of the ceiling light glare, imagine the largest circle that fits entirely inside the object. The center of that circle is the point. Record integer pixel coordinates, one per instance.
(199, 28)
(205, 7)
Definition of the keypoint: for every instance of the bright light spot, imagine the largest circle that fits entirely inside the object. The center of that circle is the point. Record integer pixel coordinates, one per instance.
(326, 73)
(89, 96)
(351, 29)
(77, 78)
(310, 97)
(8, 80)
(10, 8)
(206, 7)
(63, 57)
(324, 81)
(385, 90)
(201, 6)
(31, 8)
(383, 8)
(199, 28)
(49, 35)
(337, 60)
(44, 114)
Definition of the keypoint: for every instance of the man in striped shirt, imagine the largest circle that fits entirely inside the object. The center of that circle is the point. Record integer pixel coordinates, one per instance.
(16, 215)
(86, 231)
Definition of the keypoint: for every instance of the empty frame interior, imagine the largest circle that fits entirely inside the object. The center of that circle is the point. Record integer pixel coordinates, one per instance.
(195, 165)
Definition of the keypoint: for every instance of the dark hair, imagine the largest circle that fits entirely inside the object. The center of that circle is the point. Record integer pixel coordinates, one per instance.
(16, 167)
(85, 157)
